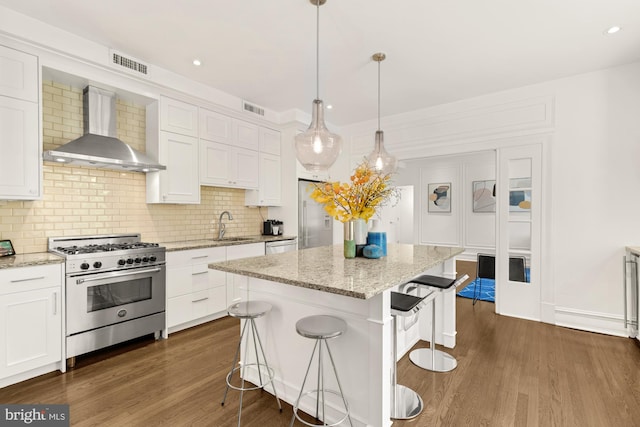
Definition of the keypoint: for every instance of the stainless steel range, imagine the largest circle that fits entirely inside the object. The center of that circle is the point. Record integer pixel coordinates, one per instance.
(115, 290)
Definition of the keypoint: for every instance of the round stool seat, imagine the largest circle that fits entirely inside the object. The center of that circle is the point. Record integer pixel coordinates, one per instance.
(249, 309)
(321, 327)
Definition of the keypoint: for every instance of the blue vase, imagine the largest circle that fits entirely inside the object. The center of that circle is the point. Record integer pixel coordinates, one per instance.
(377, 237)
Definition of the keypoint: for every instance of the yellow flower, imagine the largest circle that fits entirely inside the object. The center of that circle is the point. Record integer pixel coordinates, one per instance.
(367, 190)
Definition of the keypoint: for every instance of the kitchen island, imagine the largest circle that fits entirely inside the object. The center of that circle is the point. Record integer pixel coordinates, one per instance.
(321, 281)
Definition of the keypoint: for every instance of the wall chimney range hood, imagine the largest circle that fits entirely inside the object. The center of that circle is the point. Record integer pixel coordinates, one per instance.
(99, 147)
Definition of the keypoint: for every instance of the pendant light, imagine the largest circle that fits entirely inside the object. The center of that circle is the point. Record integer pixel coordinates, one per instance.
(379, 159)
(317, 148)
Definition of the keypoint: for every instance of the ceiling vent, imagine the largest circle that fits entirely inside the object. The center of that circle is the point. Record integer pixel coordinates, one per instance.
(123, 62)
(252, 108)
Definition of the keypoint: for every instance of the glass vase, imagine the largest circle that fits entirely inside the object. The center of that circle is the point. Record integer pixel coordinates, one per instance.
(349, 240)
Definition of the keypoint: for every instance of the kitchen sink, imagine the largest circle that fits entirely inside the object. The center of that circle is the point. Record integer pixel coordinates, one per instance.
(234, 239)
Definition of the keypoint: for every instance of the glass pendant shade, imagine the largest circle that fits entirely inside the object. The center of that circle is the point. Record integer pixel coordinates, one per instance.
(317, 148)
(379, 159)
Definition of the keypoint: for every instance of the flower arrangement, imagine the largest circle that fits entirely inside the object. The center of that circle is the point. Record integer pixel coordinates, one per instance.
(358, 199)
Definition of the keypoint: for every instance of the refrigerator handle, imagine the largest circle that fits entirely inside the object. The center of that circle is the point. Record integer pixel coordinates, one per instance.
(305, 232)
(624, 274)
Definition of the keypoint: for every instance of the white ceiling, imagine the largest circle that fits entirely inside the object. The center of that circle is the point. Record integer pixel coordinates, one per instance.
(438, 51)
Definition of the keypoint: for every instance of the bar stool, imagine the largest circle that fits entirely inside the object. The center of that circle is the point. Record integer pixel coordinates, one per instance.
(320, 328)
(430, 358)
(405, 403)
(249, 311)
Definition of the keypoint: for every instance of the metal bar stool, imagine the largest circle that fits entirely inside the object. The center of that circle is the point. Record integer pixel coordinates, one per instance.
(405, 403)
(320, 328)
(430, 358)
(249, 311)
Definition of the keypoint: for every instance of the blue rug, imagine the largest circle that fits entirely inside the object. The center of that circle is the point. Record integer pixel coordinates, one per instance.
(488, 290)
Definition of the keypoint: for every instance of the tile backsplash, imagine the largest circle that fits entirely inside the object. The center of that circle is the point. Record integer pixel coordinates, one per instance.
(81, 201)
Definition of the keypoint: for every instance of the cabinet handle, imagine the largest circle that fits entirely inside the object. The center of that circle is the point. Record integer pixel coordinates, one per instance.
(199, 257)
(27, 280)
(202, 272)
(201, 299)
(55, 303)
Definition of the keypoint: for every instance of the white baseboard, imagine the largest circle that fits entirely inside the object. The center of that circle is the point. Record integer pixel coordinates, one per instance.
(591, 321)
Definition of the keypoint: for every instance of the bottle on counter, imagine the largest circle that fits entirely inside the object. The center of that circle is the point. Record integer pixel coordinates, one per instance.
(377, 237)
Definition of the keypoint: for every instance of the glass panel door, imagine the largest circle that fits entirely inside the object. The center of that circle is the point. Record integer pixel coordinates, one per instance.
(518, 216)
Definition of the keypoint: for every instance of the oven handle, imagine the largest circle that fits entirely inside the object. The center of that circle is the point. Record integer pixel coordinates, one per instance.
(117, 274)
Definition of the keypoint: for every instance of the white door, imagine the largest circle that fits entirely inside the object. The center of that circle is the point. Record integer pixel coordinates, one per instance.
(397, 219)
(518, 216)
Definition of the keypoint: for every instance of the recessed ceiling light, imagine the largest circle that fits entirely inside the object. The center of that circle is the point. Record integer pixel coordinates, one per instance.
(612, 30)
(197, 62)
(329, 106)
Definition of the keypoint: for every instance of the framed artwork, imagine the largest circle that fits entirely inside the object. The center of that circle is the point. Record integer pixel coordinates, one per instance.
(439, 197)
(484, 196)
(520, 195)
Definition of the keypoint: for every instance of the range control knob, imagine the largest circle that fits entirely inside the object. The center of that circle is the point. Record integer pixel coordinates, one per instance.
(130, 261)
(121, 262)
(138, 260)
(145, 259)
(152, 258)
(84, 266)
(97, 264)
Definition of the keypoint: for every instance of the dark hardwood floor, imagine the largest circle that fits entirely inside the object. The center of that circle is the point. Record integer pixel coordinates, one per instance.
(511, 372)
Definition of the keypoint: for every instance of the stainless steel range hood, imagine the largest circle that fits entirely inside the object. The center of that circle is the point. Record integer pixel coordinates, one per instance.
(99, 147)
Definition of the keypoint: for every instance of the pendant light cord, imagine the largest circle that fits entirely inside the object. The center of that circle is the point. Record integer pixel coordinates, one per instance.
(317, 49)
(379, 95)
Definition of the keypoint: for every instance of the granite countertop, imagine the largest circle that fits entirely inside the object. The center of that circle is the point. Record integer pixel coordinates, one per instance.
(325, 268)
(227, 241)
(634, 249)
(27, 260)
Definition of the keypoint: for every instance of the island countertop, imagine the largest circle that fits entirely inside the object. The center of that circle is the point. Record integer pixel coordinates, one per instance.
(325, 268)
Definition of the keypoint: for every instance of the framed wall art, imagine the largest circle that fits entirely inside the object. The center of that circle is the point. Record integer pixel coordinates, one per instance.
(484, 196)
(439, 197)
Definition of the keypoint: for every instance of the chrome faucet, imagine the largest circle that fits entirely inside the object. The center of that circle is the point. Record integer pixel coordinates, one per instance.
(221, 226)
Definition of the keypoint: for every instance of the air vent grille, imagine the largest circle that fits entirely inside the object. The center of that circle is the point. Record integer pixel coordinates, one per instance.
(252, 108)
(129, 64)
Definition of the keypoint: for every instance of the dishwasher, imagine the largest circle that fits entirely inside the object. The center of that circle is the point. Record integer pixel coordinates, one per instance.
(280, 246)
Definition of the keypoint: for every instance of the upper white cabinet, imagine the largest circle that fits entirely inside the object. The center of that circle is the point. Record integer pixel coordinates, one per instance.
(224, 165)
(215, 127)
(229, 151)
(172, 138)
(20, 145)
(269, 192)
(178, 117)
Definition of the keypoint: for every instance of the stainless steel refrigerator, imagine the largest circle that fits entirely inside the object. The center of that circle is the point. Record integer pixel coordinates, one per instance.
(315, 226)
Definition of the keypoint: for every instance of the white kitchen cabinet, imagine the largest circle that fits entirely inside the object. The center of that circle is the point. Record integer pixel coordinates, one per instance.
(246, 135)
(194, 292)
(20, 143)
(224, 165)
(216, 127)
(30, 322)
(236, 284)
(178, 117)
(269, 192)
(179, 183)
(311, 176)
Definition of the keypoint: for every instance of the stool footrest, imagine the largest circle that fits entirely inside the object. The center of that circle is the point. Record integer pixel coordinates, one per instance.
(266, 372)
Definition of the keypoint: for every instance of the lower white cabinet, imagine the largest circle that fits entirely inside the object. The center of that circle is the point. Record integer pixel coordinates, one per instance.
(194, 291)
(197, 294)
(30, 322)
(235, 283)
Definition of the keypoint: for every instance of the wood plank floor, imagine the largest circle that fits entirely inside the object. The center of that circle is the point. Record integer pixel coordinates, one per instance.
(511, 372)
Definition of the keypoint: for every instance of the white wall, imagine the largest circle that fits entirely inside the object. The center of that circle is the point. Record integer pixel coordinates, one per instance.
(589, 126)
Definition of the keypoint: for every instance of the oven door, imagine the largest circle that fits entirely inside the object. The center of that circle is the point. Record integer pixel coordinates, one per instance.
(101, 299)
